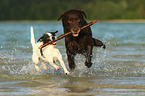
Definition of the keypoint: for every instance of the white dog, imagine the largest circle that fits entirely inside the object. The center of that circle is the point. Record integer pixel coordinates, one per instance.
(50, 53)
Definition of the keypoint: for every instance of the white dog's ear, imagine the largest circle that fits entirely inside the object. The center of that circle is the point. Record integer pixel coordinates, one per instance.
(56, 31)
(53, 33)
(39, 40)
(42, 37)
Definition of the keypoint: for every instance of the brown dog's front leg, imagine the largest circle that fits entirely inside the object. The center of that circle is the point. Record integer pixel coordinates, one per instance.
(99, 43)
(88, 62)
(71, 61)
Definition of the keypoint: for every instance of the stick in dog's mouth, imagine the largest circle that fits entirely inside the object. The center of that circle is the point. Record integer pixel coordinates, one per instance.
(75, 31)
(63, 35)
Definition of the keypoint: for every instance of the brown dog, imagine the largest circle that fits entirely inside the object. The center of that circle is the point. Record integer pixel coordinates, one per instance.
(81, 41)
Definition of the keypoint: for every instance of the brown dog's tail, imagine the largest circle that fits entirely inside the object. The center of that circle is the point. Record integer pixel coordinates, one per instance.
(98, 43)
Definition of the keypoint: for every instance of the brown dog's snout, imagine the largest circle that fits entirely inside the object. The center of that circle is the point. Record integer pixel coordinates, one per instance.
(75, 31)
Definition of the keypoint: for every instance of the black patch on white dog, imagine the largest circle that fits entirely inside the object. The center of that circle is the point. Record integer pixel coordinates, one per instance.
(47, 37)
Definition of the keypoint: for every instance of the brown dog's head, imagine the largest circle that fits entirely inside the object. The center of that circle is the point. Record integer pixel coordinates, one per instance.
(73, 20)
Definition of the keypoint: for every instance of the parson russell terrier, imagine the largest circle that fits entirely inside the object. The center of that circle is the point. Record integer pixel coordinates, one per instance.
(50, 53)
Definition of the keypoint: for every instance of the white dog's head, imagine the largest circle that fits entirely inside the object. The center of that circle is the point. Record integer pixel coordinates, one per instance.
(48, 38)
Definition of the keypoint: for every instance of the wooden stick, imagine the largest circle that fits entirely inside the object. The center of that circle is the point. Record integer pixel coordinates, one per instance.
(62, 36)
(68, 33)
(89, 24)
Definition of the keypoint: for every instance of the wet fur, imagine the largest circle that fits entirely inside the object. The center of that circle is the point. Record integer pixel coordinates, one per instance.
(81, 41)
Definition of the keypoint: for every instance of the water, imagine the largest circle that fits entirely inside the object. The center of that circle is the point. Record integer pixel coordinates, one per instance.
(118, 70)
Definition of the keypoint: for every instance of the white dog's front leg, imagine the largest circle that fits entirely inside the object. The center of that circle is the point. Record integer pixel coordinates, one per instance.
(53, 65)
(59, 57)
(63, 66)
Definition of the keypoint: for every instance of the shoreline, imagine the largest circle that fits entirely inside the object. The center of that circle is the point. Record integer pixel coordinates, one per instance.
(102, 21)
(124, 21)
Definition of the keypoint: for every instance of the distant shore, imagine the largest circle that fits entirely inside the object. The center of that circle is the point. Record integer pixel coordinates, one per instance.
(124, 21)
(104, 21)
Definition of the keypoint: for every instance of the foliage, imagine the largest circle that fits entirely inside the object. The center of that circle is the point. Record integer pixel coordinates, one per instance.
(51, 9)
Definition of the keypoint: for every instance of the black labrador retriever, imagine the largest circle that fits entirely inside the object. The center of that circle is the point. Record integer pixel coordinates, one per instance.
(80, 41)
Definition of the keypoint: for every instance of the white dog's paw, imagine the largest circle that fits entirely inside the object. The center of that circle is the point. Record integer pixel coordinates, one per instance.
(37, 68)
(44, 67)
(58, 68)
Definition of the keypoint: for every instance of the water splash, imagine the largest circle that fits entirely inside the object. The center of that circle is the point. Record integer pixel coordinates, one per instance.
(102, 66)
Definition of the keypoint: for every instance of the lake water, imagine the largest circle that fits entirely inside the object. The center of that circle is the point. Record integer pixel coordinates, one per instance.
(117, 71)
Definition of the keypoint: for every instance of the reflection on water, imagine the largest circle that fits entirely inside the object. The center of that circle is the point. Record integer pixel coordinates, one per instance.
(118, 70)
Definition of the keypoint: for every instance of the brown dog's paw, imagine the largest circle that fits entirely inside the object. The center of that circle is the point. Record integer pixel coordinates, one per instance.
(88, 64)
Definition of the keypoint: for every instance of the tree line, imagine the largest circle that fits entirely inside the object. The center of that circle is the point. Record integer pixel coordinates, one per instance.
(51, 9)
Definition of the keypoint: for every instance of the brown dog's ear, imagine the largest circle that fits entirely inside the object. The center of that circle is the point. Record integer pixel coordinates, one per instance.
(82, 12)
(61, 16)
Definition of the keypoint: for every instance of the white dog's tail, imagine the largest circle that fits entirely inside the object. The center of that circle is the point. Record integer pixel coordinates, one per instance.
(32, 36)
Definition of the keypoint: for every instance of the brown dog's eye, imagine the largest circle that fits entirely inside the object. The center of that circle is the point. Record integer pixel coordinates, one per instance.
(78, 20)
(69, 21)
